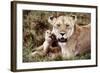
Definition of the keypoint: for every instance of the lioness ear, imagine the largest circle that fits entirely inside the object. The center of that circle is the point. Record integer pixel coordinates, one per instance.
(74, 17)
(51, 19)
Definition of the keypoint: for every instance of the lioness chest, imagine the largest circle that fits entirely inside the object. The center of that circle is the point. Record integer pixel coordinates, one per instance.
(78, 43)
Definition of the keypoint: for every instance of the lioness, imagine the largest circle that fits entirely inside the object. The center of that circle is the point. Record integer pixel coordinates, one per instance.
(72, 39)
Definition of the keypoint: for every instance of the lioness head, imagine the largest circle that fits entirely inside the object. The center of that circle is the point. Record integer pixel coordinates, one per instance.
(63, 26)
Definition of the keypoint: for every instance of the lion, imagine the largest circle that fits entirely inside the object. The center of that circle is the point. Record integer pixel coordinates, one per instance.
(72, 38)
(48, 48)
(46, 44)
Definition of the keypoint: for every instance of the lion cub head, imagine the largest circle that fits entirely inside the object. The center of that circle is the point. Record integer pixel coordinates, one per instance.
(63, 26)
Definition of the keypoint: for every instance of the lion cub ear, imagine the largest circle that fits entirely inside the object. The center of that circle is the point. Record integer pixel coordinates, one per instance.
(52, 19)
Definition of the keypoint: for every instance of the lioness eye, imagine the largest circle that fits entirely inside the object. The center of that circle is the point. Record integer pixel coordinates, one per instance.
(58, 25)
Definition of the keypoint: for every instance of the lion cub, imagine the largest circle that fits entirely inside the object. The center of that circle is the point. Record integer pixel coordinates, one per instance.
(49, 48)
(44, 48)
(48, 41)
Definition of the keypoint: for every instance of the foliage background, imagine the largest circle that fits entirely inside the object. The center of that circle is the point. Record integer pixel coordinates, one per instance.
(34, 25)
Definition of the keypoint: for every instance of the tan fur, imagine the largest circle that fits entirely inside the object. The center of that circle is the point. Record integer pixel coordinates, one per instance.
(46, 49)
(77, 38)
(43, 49)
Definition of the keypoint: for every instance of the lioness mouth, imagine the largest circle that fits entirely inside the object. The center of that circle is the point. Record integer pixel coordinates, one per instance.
(62, 40)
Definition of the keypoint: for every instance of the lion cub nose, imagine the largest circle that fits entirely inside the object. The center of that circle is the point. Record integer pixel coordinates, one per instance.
(62, 33)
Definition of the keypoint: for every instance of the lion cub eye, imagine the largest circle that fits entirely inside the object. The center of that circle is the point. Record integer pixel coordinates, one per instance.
(58, 25)
(67, 25)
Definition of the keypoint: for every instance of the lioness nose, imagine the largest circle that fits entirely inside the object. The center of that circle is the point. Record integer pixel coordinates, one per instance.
(62, 33)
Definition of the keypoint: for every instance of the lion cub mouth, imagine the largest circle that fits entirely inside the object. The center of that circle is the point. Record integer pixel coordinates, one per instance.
(62, 39)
